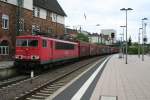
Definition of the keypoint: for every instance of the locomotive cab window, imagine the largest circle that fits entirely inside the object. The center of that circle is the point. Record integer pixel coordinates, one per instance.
(64, 46)
(32, 43)
(26, 43)
(21, 42)
(44, 43)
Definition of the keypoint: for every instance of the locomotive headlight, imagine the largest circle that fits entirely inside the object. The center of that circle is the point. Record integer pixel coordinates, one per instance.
(35, 57)
(18, 56)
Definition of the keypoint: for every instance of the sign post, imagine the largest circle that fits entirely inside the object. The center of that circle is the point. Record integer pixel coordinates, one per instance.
(32, 75)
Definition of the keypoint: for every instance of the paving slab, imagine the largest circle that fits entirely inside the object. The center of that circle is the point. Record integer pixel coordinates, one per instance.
(125, 81)
(6, 64)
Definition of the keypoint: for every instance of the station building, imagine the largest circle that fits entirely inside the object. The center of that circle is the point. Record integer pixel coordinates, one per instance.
(110, 35)
(22, 17)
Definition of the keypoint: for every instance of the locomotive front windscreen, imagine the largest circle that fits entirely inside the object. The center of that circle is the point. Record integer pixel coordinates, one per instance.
(26, 43)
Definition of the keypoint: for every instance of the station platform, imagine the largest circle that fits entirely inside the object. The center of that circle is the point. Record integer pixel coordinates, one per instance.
(7, 69)
(6, 64)
(125, 81)
(118, 81)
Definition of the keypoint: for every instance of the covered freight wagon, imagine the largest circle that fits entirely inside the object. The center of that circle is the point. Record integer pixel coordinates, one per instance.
(84, 49)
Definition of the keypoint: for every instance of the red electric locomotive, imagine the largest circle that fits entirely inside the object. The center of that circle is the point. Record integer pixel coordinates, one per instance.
(32, 51)
(38, 50)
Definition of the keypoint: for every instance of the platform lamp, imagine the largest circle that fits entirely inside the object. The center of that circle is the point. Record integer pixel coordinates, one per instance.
(139, 46)
(143, 32)
(121, 46)
(123, 39)
(98, 34)
(126, 10)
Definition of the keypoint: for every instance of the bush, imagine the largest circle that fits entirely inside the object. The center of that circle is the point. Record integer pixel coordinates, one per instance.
(133, 50)
(82, 37)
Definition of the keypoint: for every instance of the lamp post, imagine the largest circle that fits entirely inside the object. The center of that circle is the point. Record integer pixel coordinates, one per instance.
(123, 31)
(143, 32)
(121, 46)
(101, 35)
(139, 46)
(124, 9)
(123, 39)
(98, 34)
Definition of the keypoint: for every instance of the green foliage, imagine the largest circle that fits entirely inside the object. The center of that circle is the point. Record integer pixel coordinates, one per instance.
(100, 43)
(133, 50)
(82, 37)
(135, 44)
(130, 41)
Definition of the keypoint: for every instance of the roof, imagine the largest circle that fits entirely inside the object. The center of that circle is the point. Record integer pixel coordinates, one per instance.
(51, 5)
(94, 34)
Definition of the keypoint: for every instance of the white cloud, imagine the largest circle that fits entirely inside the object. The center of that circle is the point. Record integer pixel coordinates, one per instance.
(106, 13)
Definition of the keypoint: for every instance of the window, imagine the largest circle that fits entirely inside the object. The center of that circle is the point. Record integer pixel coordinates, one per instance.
(64, 46)
(33, 13)
(32, 43)
(49, 14)
(54, 17)
(21, 42)
(38, 12)
(35, 29)
(27, 43)
(49, 30)
(21, 25)
(38, 28)
(4, 48)
(5, 21)
(44, 44)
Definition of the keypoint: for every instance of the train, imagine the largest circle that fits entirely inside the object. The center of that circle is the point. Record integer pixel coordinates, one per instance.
(34, 51)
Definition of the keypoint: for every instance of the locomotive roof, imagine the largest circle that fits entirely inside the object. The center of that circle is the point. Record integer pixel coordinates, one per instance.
(39, 36)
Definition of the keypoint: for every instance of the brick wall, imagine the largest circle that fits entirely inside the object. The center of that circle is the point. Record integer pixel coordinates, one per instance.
(10, 33)
(29, 20)
(46, 24)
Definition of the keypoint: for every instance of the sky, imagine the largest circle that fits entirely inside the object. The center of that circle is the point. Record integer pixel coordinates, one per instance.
(89, 13)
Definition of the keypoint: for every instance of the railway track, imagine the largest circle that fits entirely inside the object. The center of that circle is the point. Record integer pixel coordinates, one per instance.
(49, 88)
(45, 84)
(8, 82)
(11, 81)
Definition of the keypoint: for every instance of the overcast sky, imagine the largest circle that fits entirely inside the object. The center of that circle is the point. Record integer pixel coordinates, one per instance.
(106, 13)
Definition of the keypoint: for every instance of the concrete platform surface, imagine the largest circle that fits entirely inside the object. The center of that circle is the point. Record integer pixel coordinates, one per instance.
(6, 64)
(124, 81)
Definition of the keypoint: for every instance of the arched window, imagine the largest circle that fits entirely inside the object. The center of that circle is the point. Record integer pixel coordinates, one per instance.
(4, 47)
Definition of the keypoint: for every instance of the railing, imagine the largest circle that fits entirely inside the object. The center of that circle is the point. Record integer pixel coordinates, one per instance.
(4, 50)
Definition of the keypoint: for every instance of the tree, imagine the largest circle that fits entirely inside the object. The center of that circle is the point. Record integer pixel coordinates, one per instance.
(82, 37)
(130, 41)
